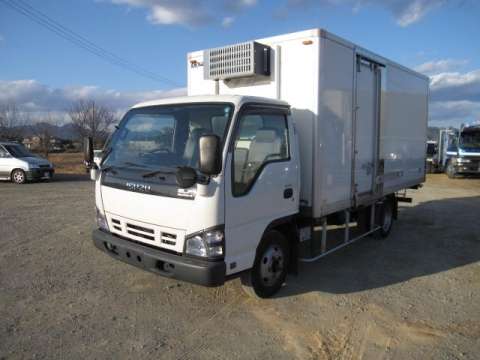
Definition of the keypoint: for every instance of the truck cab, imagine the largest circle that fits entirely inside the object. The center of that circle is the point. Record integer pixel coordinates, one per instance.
(154, 190)
(432, 159)
(463, 152)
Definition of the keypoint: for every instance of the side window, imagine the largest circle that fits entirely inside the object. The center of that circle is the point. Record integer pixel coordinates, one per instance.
(3, 152)
(260, 138)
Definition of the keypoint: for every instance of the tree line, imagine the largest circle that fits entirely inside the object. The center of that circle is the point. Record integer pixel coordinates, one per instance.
(88, 117)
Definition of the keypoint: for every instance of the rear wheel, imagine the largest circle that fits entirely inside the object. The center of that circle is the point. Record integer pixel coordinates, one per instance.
(18, 176)
(270, 267)
(386, 218)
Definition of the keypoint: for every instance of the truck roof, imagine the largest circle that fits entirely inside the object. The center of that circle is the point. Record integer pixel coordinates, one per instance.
(234, 99)
(321, 32)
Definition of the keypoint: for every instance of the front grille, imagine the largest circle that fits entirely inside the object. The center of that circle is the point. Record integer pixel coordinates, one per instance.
(140, 228)
(44, 166)
(171, 239)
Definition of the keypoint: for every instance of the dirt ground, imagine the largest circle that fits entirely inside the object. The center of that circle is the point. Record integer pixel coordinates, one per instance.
(415, 295)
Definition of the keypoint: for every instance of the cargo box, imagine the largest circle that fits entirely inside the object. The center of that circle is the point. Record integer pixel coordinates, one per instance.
(361, 118)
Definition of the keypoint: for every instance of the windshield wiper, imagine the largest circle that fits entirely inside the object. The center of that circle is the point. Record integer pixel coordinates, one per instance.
(132, 164)
(157, 172)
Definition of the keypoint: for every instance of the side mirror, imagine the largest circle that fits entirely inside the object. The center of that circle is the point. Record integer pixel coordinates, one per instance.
(88, 151)
(210, 155)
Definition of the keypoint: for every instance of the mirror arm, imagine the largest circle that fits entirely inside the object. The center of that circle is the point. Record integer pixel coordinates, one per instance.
(203, 179)
(91, 165)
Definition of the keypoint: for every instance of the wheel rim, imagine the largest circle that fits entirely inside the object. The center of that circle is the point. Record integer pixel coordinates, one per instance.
(271, 265)
(18, 176)
(450, 169)
(387, 218)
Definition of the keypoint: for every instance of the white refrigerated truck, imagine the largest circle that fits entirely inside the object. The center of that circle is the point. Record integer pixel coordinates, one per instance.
(285, 149)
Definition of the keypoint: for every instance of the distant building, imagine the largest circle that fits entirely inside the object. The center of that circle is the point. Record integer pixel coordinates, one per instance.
(35, 143)
(32, 143)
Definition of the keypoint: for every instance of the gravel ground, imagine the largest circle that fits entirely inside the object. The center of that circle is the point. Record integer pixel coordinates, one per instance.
(415, 295)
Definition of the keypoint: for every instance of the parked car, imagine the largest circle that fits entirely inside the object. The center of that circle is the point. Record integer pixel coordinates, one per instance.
(19, 165)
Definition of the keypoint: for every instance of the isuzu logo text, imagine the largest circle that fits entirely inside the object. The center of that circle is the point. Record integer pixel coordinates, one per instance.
(138, 187)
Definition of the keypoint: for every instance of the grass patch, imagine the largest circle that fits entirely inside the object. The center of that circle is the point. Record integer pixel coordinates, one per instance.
(68, 163)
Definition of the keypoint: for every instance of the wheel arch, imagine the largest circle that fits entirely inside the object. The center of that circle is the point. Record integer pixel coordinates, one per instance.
(288, 227)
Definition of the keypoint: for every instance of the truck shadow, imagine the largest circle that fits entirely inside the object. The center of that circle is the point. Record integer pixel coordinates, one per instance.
(428, 238)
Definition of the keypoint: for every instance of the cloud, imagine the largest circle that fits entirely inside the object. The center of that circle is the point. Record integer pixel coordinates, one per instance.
(228, 21)
(190, 13)
(405, 12)
(409, 12)
(439, 66)
(454, 113)
(455, 98)
(456, 86)
(238, 5)
(37, 98)
(168, 12)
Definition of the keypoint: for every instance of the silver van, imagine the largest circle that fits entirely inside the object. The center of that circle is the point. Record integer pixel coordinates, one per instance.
(19, 165)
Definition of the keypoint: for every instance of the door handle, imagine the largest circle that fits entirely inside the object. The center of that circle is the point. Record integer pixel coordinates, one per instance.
(288, 193)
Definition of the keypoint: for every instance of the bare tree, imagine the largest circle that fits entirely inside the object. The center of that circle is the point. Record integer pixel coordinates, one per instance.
(92, 119)
(45, 132)
(12, 120)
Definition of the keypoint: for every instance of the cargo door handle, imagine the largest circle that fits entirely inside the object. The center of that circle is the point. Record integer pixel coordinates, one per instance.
(288, 193)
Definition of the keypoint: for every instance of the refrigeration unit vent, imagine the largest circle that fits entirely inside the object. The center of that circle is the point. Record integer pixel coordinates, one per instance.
(239, 60)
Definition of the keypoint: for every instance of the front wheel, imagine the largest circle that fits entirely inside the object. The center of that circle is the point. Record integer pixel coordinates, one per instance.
(18, 176)
(270, 267)
(451, 171)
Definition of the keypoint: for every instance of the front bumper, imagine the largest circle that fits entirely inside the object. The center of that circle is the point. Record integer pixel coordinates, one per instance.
(467, 168)
(202, 272)
(39, 174)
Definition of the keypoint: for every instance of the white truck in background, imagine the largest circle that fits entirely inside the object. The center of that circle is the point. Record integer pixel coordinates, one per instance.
(432, 156)
(285, 150)
(457, 151)
(461, 154)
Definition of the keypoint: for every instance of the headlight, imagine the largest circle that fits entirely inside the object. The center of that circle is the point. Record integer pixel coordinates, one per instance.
(463, 161)
(33, 166)
(209, 244)
(101, 220)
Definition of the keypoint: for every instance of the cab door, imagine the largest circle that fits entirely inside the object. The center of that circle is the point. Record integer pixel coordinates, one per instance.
(261, 180)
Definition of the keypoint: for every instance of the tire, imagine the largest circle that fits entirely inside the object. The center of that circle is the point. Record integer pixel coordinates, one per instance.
(386, 218)
(18, 176)
(429, 168)
(451, 171)
(269, 268)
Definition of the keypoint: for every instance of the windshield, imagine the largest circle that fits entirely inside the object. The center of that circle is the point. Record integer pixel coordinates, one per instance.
(166, 136)
(431, 149)
(470, 140)
(18, 151)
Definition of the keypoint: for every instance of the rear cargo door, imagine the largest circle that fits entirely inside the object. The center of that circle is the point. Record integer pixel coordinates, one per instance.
(366, 126)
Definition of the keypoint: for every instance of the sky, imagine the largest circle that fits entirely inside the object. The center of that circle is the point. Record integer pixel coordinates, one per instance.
(42, 72)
